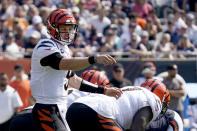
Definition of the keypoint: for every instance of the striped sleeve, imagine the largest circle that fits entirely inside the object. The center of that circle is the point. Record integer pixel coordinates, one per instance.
(46, 47)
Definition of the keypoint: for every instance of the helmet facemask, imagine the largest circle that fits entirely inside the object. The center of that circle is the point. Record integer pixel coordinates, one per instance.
(67, 37)
(165, 103)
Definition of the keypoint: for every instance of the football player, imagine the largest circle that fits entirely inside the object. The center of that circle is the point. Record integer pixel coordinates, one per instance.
(23, 120)
(136, 107)
(50, 63)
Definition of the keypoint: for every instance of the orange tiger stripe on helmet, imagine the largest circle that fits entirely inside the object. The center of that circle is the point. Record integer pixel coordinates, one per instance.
(158, 88)
(96, 77)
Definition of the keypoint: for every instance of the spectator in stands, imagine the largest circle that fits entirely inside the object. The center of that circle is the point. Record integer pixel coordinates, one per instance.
(20, 36)
(151, 28)
(83, 24)
(3, 30)
(44, 13)
(126, 37)
(92, 5)
(126, 7)
(179, 4)
(84, 12)
(192, 28)
(142, 8)
(37, 25)
(182, 32)
(10, 46)
(100, 21)
(171, 31)
(117, 9)
(65, 4)
(192, 113)
(133, 44)
(192, 6)
(18, 19)
(9, 103)
(22, 86)
(152, 15)
(186, 5)
(176, 85)
(184, 46)
(145, 48)
(31, 43)
(33, 11)
(7, 9)
(165, 48)
(178, 19)
(118, 79)
(112, 39)
(115, 24)
(139, 22)
(46, 3)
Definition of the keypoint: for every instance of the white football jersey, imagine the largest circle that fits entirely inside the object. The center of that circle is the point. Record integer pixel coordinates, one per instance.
(47, 84)
(123, 109)
(75, 95)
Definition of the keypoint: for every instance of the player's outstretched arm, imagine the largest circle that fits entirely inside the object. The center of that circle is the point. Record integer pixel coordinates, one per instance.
(141, 119)
(78, 63)
(82, 85)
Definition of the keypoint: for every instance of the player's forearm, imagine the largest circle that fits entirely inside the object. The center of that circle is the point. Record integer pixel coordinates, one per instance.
(177, 93)
(76, 63)
(75, 82)
(82, 85)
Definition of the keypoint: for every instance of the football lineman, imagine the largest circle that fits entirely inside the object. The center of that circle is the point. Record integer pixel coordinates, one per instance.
(136, 107)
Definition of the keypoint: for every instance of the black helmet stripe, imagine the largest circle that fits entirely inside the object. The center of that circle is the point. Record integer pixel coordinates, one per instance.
(62, 16)
(104, 81)
(57, 15)
(164, 95)
(152, 83)
(154, 87)
(89, 79)
(167, 97)
(85, 74)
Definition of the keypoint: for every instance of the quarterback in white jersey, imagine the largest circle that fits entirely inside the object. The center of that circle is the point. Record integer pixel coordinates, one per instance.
(50, 77)
(103, 113)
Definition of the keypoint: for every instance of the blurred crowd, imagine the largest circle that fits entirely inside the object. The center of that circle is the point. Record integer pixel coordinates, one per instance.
(139, 28)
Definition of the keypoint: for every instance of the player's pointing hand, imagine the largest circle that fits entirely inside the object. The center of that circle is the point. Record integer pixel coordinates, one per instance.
(104, 59)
